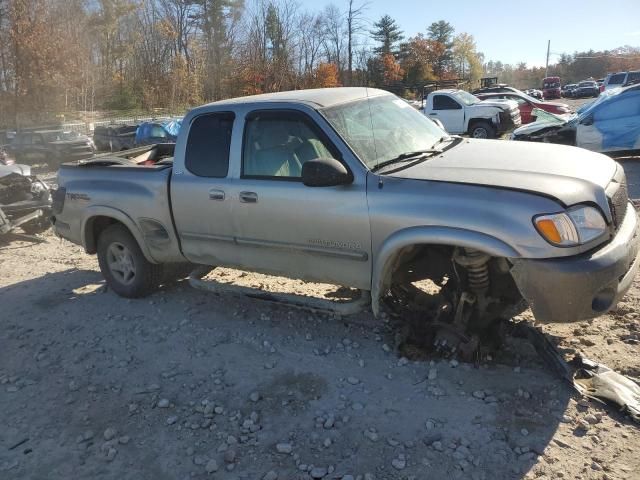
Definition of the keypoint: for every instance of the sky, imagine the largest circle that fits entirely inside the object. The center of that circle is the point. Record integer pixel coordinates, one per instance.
(515, 30)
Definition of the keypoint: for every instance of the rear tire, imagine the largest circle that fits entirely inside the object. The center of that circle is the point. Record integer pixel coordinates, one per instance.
(124, 266)
(482, 130)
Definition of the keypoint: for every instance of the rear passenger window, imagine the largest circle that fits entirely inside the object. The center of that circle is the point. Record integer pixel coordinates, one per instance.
(208, 145)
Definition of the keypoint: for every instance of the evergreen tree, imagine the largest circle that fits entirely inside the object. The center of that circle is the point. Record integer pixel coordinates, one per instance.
(388, 34)
(442, 32)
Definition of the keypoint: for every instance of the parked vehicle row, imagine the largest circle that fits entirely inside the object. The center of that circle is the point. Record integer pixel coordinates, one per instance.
(526, 104)
(609, 124)
(52, 147)
(114, 138)
(588, 88)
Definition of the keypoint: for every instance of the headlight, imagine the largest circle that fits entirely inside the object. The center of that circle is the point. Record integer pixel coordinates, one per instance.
(576, 226)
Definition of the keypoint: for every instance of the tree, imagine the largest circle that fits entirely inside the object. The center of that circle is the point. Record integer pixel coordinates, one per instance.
(215, 20)
(354, 25)
(418, 55)
(466, 58)
(392, 72)
(442, 32)
(326, 75)
(388, 34)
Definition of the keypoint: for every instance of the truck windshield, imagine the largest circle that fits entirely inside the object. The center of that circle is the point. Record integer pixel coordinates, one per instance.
(381, 128)
(466, 97)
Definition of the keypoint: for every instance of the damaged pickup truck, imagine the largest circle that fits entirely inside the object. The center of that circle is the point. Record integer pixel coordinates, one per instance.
(352, 186)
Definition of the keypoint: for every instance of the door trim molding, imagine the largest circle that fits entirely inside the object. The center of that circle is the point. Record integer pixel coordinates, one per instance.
(356, 255)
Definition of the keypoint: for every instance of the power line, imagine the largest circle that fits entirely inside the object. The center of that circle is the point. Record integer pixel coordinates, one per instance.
(605, 56)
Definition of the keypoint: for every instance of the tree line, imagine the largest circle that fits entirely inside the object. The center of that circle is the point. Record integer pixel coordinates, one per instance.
(87, 55)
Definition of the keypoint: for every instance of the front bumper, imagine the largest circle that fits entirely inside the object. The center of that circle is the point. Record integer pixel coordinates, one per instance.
(583, 286)
(508, 121)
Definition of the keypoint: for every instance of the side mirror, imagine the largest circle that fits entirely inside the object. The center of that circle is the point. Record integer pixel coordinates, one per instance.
(587, 121)
(325, 172)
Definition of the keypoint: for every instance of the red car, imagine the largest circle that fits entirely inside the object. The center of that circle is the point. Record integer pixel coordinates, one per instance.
(527, 103)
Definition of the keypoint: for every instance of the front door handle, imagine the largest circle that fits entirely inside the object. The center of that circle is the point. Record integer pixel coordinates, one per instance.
(215, 194)
(248, 197)
(434, 114)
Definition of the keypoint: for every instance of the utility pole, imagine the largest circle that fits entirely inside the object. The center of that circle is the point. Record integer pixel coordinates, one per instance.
(546, 68)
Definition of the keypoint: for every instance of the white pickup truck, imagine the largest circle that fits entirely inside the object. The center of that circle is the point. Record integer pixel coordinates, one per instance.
(462, 113)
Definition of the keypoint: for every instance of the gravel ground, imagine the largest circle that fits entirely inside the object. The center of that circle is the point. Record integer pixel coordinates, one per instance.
(188, 384)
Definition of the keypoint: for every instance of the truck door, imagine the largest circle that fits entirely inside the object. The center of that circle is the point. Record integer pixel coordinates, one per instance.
(449, 112)
(200, 193)
(284, 227)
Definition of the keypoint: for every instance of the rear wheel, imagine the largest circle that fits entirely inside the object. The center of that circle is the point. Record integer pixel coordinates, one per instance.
(482, 130)
(123, 265)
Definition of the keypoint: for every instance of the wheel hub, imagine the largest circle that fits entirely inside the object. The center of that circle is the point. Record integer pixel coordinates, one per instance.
(480, 133)
(121, 264)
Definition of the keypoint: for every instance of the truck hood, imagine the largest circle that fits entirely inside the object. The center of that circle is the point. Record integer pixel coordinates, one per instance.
(570, 175)
(535, 127)
(491, 102)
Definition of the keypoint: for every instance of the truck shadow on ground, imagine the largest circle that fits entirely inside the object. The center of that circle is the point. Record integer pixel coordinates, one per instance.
(492, 422)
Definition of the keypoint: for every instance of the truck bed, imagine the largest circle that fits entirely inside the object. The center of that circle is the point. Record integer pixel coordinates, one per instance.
(109, 187)
(145, 156)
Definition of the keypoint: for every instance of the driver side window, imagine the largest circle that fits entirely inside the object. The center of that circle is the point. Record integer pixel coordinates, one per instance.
(443, 102)
(277, 144)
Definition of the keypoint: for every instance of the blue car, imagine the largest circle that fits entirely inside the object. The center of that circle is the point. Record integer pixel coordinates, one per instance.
(610, 124)
(149, 133)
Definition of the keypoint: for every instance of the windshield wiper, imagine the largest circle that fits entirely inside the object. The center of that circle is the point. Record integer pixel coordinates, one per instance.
(407, 156)
(448, 138)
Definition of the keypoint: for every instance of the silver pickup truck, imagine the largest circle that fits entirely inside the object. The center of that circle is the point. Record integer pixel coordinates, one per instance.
(354, 187)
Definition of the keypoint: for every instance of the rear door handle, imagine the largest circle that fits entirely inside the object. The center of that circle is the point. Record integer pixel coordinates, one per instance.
(215, 194)
(248, 197)
(434, 114)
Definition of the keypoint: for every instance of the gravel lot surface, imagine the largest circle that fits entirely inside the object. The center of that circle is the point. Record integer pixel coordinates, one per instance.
(187, 384)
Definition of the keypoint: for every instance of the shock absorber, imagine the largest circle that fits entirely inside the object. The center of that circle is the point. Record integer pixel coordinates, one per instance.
(476, 264)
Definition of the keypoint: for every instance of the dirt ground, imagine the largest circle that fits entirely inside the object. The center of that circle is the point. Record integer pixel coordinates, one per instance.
(189, 384)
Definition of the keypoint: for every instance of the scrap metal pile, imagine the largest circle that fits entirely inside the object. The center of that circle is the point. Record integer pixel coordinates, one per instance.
(25, 201)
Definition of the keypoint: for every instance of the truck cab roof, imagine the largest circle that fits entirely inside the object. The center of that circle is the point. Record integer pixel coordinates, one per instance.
(318, 97)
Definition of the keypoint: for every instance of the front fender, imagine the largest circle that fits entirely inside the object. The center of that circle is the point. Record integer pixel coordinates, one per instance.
(425, 235)
(91, 213)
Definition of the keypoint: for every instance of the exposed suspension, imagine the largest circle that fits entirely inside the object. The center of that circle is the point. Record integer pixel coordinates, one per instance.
(477, 265)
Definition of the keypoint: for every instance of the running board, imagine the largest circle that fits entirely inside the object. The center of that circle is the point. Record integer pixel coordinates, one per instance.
(292, 300)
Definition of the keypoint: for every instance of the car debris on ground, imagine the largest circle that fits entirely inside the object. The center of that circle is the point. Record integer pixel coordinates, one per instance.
(25, 201)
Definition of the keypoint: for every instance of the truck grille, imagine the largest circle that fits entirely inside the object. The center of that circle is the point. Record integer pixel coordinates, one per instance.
(618, 202)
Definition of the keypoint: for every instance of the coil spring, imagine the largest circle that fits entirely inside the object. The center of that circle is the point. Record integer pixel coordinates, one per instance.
(476, 263)
(478, 275)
